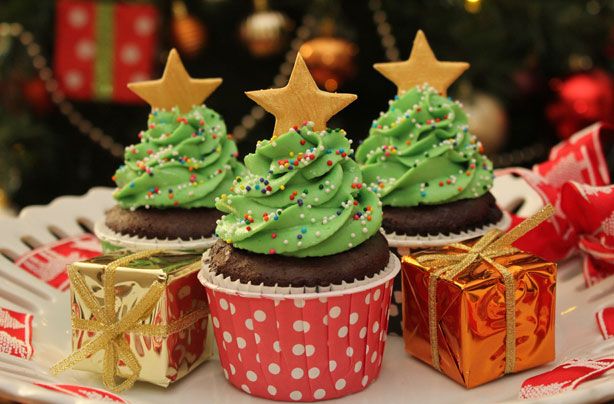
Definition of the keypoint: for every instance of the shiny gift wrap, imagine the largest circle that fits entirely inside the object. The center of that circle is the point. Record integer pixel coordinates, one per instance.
(167, 341)
(470, 315)
(482, 309)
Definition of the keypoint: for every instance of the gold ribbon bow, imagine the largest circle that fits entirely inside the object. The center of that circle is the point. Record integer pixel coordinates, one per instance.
(493, 244)
(111, 331)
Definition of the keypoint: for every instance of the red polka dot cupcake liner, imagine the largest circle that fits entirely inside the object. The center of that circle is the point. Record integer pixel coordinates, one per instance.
(301, 346)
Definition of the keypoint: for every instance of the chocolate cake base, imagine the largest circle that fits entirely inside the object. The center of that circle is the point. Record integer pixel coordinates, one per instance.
(185, 224)
(362, 261)
(453, 217)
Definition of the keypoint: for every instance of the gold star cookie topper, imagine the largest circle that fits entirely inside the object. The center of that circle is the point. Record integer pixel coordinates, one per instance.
(300, 100)
(422, 67)
(176, 88)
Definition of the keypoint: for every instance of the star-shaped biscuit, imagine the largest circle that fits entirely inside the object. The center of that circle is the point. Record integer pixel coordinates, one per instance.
(422, 67)
(176, 88)
(300, 100)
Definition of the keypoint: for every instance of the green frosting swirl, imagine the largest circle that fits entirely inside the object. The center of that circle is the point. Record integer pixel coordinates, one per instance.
(183, 160)
(421, 152)
(303, 196)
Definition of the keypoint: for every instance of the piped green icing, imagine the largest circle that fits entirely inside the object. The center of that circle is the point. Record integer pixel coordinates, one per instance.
(183, 160)
(421, 152)
(303, 196)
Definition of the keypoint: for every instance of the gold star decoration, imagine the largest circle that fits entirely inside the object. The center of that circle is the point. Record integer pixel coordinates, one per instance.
(176, 88)
(300, 100)
(422, 67)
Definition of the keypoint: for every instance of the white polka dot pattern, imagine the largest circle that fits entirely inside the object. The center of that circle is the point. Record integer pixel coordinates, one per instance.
(130, 55)
(278, 349)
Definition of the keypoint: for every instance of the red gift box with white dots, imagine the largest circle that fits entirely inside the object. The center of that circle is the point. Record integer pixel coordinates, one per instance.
(301, 347)
(102, 46)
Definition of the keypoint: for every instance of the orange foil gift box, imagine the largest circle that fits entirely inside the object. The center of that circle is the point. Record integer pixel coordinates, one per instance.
(478, 310)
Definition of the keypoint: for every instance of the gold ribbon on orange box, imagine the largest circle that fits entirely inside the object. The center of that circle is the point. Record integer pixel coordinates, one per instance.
(493, 244)
(111, 330)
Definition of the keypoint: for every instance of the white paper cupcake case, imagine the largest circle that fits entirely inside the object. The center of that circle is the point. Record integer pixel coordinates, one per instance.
(105, 234)
(401, 240)
(220, 282)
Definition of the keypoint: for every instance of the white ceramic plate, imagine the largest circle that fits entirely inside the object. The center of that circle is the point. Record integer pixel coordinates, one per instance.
(402, 378)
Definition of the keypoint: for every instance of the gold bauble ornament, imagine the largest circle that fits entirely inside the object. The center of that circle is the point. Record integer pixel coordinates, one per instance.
(265, 32)
(5, 205)
(189, 34)
(487, 120)
(473, 6)
(331, 60)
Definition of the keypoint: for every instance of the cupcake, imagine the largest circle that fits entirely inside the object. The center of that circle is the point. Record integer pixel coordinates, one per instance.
(420, 158)
(299, 282)
(167, 186)
(427, 168)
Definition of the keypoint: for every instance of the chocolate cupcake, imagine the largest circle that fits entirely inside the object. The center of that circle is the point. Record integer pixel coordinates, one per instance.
(167, 187)
(313, 214)
(271, 270)
(420, 158)
(301, 276)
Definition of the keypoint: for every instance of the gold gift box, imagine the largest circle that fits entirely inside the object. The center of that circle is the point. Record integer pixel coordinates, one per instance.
(178, 338)
(470, 315)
